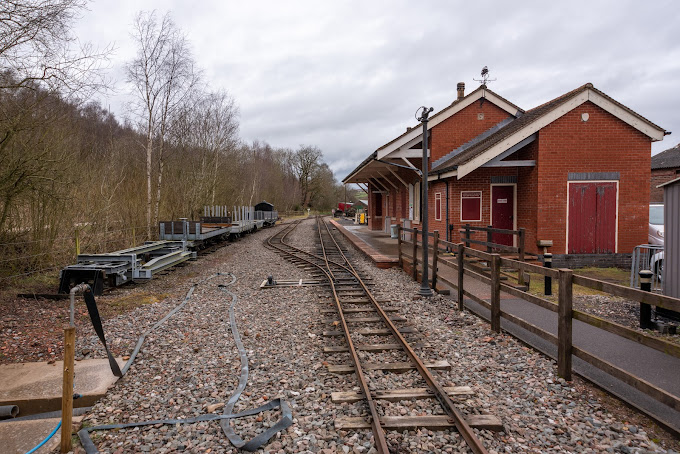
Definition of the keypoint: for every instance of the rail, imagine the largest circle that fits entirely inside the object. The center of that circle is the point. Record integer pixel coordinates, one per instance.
(465, 256)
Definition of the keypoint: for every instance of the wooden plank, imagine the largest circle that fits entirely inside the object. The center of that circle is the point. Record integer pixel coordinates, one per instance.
(636, 382)
(67, 388)
(436, 422)
(634, 294)
(653, 342)
(374, 332)
(355, 310)
(398, 367)
(395, 395)
(530, 327)
(514, 264)
(493, 245)
(394, 318)
(372, 347)
(477, 299)
(564, 324)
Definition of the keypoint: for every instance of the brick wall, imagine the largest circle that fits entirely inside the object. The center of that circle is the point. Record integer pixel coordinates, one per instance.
(660, 176)
(463, 126)
(602, 144)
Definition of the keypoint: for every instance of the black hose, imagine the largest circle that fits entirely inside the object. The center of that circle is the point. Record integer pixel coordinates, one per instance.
(286, 413)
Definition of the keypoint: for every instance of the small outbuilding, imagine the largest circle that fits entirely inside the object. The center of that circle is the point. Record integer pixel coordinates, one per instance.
(671, 220)
(264, 206)
(665, 167)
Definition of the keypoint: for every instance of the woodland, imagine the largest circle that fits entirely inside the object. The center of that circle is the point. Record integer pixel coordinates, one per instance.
(71, 171)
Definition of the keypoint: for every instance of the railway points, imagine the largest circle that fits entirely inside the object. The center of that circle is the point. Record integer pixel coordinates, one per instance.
(191, 366)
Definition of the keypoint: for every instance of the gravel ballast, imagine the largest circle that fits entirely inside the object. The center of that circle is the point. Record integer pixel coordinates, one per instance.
(190, 366)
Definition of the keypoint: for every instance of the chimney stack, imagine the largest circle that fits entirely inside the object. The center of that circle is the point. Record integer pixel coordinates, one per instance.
(461, 90)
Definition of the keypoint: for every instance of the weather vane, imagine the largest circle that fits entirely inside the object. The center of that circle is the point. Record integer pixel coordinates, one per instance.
(485, 77)
(484, 81)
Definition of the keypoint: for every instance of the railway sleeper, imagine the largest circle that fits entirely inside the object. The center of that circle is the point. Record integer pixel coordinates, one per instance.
(358, 309)
(394, 318)
(373, 347)
(398, 367)
(396, 395)
(374, 332)
(430, 422)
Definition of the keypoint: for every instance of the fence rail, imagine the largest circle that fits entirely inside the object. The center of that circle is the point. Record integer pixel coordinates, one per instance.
(491, 275)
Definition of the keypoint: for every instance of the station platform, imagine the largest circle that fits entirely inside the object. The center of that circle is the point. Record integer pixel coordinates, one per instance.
(375, 244)
(657, 368)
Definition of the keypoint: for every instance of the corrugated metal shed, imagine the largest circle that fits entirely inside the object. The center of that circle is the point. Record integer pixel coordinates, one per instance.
(671, 220)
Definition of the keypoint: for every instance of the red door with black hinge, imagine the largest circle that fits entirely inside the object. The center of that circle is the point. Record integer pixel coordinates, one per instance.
(592, 217)
(502, 210)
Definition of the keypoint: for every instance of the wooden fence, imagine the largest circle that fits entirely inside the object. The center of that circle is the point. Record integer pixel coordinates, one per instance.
(566, 314)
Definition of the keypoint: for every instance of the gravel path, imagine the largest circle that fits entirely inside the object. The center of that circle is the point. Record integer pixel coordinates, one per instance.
(191, 365)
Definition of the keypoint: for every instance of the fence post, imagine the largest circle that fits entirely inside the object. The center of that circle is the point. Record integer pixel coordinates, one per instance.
(547, 262)
(564, 324)
(399, 244)
(520, 273)
(646, 309)
(489, 239)
(467, 235)
(461, 272)
(435, 255)
(496, 292)
(67, 389)
(415, 253)
(134, 237)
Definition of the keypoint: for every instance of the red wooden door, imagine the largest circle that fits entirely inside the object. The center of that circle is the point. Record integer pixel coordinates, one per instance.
(502, 210)
(592, 218)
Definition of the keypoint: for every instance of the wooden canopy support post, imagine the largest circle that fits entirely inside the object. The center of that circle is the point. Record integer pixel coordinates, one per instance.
(564, 333)
(496, 292)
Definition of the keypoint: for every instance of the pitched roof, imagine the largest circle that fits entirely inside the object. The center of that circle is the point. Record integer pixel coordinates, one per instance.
(667, 159)
(524, 121)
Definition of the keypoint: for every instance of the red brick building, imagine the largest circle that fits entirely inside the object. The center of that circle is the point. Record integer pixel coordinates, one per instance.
(665, 167)
(572, 170)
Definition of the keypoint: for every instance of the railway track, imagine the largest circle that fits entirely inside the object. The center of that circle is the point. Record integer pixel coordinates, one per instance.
(358, 315)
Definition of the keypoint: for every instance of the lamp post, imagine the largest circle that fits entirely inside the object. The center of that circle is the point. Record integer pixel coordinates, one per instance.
(425, 289)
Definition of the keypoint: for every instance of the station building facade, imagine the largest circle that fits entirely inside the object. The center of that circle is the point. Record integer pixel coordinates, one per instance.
(575, 171)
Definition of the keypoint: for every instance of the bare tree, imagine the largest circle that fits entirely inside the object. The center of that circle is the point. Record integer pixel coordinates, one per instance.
(162, 74)
(38, 48)
(305, 162)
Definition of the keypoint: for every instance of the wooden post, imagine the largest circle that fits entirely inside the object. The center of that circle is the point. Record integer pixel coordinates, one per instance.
(496, 292)
(134, 237)
(461, 272)
(399, 245)
(67, 389)
(415, 253)
(467, 235)
(564, 324)
(435, 255)
(77, 242)
(520, 273)
(489, 239)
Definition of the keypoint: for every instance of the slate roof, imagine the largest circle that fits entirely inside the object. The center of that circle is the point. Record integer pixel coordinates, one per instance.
(478, 147)
(667, 159)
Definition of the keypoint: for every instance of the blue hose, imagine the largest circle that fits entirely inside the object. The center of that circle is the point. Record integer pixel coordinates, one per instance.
(46, 439)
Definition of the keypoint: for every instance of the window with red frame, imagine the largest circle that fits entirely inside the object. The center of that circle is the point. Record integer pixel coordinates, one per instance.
(471, 206)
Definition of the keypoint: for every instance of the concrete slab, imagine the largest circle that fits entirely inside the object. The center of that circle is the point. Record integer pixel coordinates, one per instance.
(21, 436)
(36, 387)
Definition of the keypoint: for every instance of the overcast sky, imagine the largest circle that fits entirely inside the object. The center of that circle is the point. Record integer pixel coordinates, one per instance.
(348, 76)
